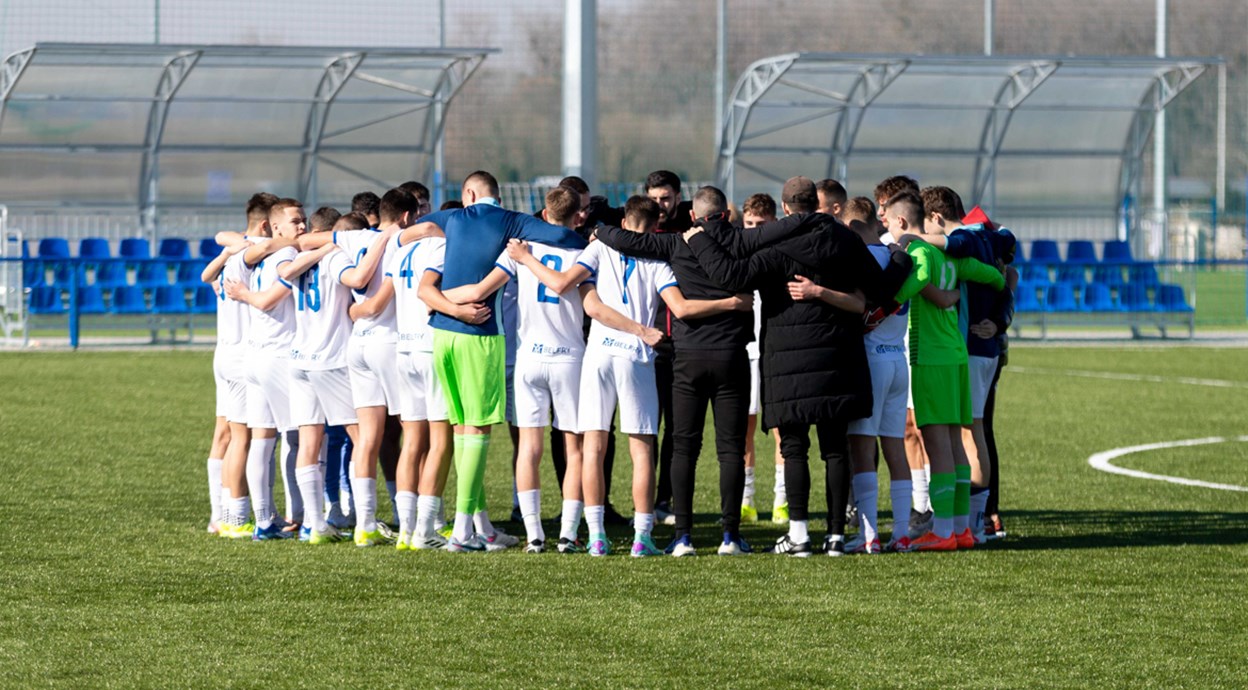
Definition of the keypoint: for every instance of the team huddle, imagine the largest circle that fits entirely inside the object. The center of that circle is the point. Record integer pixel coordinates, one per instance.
(880, 324)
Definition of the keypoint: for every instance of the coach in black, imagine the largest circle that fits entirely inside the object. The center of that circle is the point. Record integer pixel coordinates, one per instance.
(710, 364)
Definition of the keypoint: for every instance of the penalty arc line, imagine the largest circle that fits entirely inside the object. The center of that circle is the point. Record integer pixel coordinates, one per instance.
(1101, 461)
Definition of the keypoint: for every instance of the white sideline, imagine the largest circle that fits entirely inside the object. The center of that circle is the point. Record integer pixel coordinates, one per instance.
(1115, 376)
(1101, 461)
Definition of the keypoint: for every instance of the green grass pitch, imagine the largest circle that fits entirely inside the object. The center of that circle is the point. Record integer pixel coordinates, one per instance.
(109, 579)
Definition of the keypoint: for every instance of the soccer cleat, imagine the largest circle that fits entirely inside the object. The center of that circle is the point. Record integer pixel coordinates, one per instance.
(994, 528)
(404, 542)
(663, 516)
(535, 546)
(445, 530)
(430, 541)
(965, 539)
(473, 544)
(920, 523)
(273, 531)
(787, 547)
(734, 546)
(835, 547)
(599, 545)
(931, 542)
(570, 546)
(305, 533)
(499, 541)
(387, 532)
(376, 537)
(749, 513)
(860, 545)
(214, 527)
(780, 514)
(681, 546)
(243, 531)
(327, 536)
(899, 544)
(643, 546)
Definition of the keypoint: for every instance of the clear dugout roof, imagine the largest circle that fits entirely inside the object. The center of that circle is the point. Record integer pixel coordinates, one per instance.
(1010, 132)
(195, 125)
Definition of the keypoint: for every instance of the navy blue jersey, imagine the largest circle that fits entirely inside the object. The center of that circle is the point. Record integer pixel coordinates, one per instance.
(978, 302)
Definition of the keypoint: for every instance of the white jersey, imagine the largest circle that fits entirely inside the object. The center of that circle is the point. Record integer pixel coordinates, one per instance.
(888, 340)
(405, 267)
(631, 287)
(382, 326)
(233, 317)
(273, 331)
(323, 322)
(551, 325)
(752, 347)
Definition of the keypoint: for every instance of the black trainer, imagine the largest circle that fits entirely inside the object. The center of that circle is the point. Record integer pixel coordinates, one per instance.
(787, 547)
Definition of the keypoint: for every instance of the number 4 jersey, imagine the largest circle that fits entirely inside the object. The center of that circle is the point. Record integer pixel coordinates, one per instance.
(551, 325)
(323, 324)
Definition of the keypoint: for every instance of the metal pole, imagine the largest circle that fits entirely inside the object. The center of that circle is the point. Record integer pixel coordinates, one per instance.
(1220, 175)
(1159, 137)
(721, 70)
(156, 24)
(989, 21)
(580, 88)
(439, 150)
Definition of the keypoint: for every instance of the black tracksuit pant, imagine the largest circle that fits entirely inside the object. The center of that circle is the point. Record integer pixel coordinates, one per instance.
(721, 378)
(990, 435)
(834, 447)
(663, 380)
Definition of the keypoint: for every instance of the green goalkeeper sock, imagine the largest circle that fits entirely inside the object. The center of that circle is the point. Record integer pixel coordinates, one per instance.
(471, 484)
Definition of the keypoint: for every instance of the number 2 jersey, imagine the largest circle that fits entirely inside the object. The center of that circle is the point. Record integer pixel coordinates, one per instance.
(934, 335)
(631, 287)
(323, 323)
(550, 325)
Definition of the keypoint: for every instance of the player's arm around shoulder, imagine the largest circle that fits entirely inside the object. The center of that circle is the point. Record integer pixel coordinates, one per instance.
(976, 271)
(431, 294)
(557, 281)
(600, 312)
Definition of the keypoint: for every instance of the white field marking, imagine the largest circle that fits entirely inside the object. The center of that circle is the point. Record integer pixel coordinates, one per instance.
(1101, 461)
(1115, 376)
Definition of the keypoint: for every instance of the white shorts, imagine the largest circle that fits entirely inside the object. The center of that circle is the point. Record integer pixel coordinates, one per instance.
(374, 374)
(606, 379)
(890, 387)
(510, 407)
(756, 399)
(229, 370)
(322, 396)
(268, 392)
(541, 385)
(421, 397)
(982, 370)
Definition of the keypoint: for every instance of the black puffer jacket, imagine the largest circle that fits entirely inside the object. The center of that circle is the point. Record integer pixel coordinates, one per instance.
(814, 365)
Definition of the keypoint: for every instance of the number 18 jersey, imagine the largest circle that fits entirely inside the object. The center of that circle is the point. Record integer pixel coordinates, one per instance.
(551, 325)
(323, 324)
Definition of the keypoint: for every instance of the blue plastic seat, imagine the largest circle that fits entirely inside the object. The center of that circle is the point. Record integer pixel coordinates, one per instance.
(94, 248)
(128, 299)
(1045, 252)
(152, 274)
(1134, 297)
(205, 300)
(1062, 298)
(1035, 273)
(135, 248)
(54, 248)
(62, 273)
(1080, 251)
(208, 248)
(33, 274)
(189, 272)
(110, 274)
(91, 300)
(46, 300)
(1170, 298)
(1144, 274)
(174, 248)
(1025, 298)
(1110, 275)
(1117, 251)
(1075, 274)
(170, 299)
(1097, 297)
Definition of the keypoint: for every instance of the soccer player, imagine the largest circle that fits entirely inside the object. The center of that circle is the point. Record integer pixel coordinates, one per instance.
(832, 198)
(367, 204)
(757, 210)
(939, 378)
(469, 359)
(227, 477)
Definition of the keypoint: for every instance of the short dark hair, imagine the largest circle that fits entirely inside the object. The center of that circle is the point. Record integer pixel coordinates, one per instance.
(416, 189)
(283, 204)
(708, 201)
(451, 204)
(575, 183)
(663, 178)
(761, 205)
(909, 206)
(258, 206)
(833, 190)
(561, 204)
(484, 179)
(859, 208)
(944, 201)
(641, 210)
(799, 195)
(395, 203)
(366, 203)
(323, 219)
(352, 221)
(892, 186)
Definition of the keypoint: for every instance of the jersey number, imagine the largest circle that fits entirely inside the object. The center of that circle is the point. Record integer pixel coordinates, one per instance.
(405, 268)
(556, 264)
(630, 265)
(310, 290)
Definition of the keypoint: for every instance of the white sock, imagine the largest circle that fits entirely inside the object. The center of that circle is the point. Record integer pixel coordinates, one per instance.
(919, 481)
(260, 478)
(531, 511)
(439, 515)
(595, 517)
(405, 506)
(481, 520)
(899, 490)
(365, 491)
(747, 497)
(214, 487)
(294, 499)
(393, 490)
(798, 532)
(782, 496)
(311, 488)
(463, 527)
(866, 497)
(426, 510)
(942, 527)
(238, 509)
(571, 519)
(979, 501)
(643, 524)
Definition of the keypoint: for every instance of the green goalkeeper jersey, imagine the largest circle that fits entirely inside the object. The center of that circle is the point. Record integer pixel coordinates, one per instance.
(934, 335)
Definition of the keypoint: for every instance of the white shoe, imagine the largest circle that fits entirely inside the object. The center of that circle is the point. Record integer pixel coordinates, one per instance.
(432, 540)
(498, 541)
(664, 517)
(474, 544)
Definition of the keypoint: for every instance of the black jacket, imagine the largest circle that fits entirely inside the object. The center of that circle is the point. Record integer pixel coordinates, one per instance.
(814, 365)
(725, 330)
